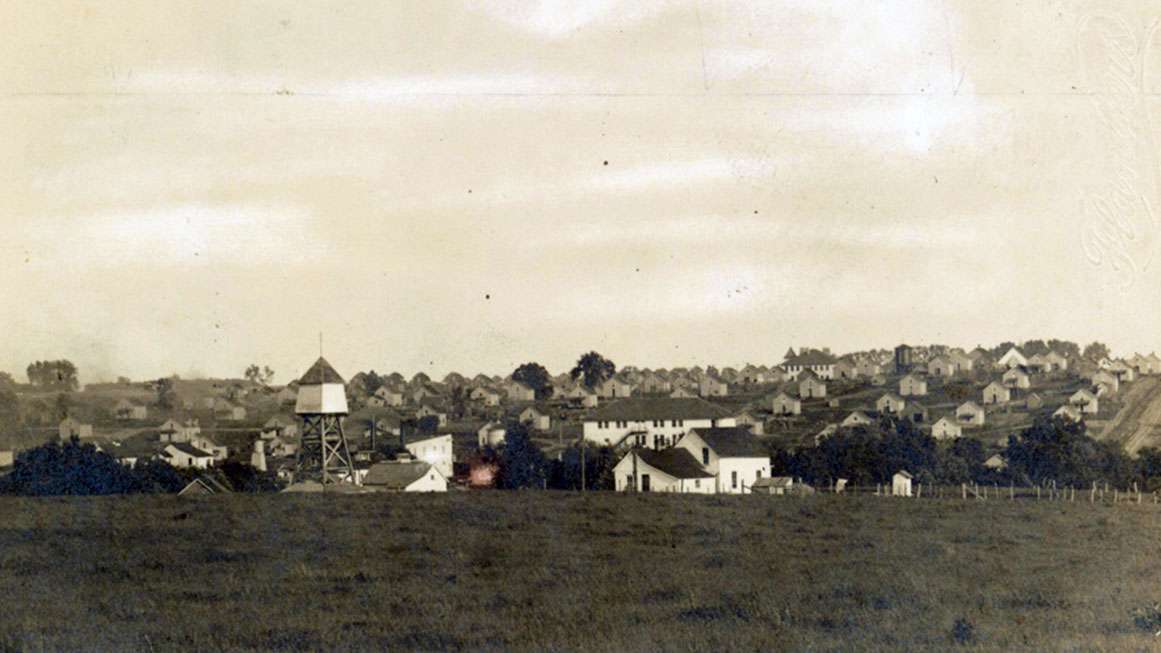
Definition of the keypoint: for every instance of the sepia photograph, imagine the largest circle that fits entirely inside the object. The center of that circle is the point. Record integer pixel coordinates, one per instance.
(580, 325)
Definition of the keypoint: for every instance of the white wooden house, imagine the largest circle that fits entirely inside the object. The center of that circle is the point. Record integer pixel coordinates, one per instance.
(536, 419)
(912, 385)
(405, 476)
(970, 413)
(70, 427)
(185, 456)
(1017, 378)
(1012, 358)
(856, 418)
(811, 386)
(784, 405)
(731, 454)
(710, 386)
(996, 393)
(491, 435)
(890, 404)
(669, 470)
(941, 366)
(946, 428)
(1084, 401)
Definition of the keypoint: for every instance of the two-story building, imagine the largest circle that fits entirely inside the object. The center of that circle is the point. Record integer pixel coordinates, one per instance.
(652, 421)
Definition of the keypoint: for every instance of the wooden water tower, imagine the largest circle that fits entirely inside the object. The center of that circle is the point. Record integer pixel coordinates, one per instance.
(323, 454)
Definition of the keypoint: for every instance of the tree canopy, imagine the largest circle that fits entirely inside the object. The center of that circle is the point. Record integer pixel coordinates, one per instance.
(58, 374)
(593, 369)
(535, 376)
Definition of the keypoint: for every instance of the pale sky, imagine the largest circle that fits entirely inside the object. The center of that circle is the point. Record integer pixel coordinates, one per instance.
(192, 187)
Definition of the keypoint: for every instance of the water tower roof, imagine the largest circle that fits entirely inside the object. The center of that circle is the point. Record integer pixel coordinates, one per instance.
(319, 373)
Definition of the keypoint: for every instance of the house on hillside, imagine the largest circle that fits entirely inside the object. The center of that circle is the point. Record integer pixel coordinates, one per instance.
(186, 456)
(996, 462)
(856, 418)
(844, 369)
(390, 396)
(654, 384)
(751, 421)
(173, 430)
(996, 393)
(485, 396)
(430, 410)
(1068, 412)
(681, 392)
(70, 427)
(941, 366)
(946, 428)
(784, 405)
(669, 470)
(491, 435)
(962, 362)
(405, 476)
(614, 388)
(535, 419)
(917, 413)
(1123, 371)
(435, 450)
(869, 368)
(810, 386)
(1017, 378)
(1107, 378)
(127, 410)
(1084, 401)
(912, 386)
(890, 404)
(1033, 401)
(582, 396)
(731, 454)
(288, 394)
(645, 417)
(970, 413)
(712, 387)
(1012, 358)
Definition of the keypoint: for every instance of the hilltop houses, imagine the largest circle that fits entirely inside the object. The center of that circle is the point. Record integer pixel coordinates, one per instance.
(1017, 378)
(70, 427)
(1012, 358)
(941, 366)
(946, 428)
(1084, 401)
(709, 386)
(890, 404)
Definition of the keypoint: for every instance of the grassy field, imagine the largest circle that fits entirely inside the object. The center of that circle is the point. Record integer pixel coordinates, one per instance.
(560, 571)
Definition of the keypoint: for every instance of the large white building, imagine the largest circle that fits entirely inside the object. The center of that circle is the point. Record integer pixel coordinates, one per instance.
(819, 362)
(435, 450)
(655, 422)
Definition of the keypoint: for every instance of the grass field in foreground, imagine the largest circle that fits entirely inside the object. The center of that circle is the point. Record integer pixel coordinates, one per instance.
(561, 571)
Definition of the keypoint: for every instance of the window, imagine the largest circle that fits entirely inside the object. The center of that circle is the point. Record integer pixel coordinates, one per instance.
(697, 483)
(644, 482)
(734, 480)
(628, 480)
(759, 474)
(705, 455)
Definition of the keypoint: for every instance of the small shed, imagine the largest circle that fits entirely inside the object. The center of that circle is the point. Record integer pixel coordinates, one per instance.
(901, 484)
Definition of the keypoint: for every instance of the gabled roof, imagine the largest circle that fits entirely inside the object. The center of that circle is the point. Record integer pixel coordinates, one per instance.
(812, 357)
(731, 442)
(647, 408)
(190, 450)
(395, 475)
(675, 461)
(319, 373)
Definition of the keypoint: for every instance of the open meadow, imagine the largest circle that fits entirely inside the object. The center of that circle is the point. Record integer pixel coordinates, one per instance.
(566, 571)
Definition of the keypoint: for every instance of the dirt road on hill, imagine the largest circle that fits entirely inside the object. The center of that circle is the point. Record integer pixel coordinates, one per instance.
(1138, 424)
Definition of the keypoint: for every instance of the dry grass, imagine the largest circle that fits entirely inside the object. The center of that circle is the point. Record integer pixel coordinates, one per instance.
(560, 571)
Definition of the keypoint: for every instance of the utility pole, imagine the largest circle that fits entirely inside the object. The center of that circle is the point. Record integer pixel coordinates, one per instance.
(582, 448)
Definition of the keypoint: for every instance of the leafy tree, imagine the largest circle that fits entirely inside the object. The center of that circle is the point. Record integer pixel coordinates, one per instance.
(1059, 450)
(166, 394)
(427, 424)
(259, 375)
(459, 401)
(371, 383)
(1002, 348)
(157, 476)
(522, 465)
(1065, 348)
(1094, 351)
(594, 369)
(1034, 347)
(534, 376)
(61, 374)
(6, 380)
(64, 403)
(124, 380)
(565, 474)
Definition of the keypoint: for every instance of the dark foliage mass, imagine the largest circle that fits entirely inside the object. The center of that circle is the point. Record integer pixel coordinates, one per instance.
(60, 374)
(535, 376)
(592, 369)
(73, 468)
(522, 464)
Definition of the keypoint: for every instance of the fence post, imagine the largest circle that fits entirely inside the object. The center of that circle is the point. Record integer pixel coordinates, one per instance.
(963, 488)
(1011, 492)
(1037, 492)
(1092, 493)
